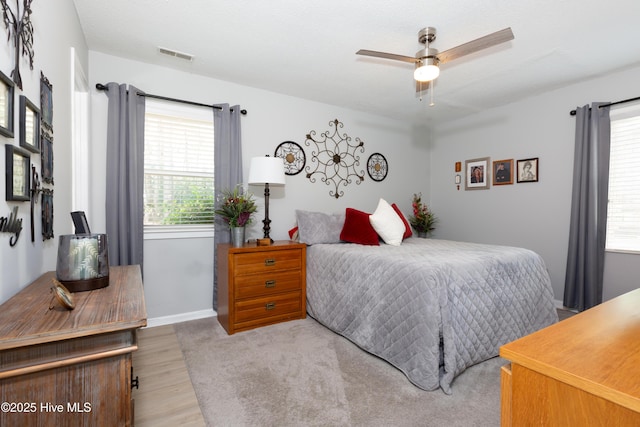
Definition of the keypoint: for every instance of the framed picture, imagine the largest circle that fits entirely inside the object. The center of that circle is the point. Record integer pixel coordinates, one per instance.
(6, 105)
(29, 125)
(47, 214)
(503, 172)
(18, 174)
(477, 174)
(47, 159)
(46, 102)
(528, 170)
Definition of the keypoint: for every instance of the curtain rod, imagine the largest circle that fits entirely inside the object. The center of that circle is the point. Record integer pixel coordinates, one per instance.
(100, 86)
(624, 101)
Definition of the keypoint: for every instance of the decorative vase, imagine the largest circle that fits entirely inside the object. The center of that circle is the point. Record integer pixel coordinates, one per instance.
(83, 262)
(237, 237)
(422, 234)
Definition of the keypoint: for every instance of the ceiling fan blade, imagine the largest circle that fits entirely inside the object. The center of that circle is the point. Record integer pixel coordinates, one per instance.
(475, 45)
(385, 55)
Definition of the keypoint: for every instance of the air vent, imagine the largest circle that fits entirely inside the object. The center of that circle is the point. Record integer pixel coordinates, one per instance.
(176, 54)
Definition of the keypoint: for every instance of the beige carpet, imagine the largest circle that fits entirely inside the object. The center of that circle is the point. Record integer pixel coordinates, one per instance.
(299, 373)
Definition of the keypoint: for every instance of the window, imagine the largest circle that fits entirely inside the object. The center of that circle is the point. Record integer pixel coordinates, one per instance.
(623, 215)
(178, 167)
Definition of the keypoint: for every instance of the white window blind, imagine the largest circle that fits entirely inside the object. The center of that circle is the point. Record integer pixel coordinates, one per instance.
(623, 215)
(178, 167)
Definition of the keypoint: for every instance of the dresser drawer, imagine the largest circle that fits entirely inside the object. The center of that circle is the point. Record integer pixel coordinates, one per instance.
(256, 285)
(259, 262)
(276, 305)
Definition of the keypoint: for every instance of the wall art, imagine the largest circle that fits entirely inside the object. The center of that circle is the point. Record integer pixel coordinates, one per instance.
(46, 103)
(528, 170)
(11, 224)
(18, 171)
(334, 159)
(20, 29)
(47, 214)
(293, 157)
(477, 174)
(6, 105)
(377, 167)
(503, 172)
(29, 125)
(47, 158)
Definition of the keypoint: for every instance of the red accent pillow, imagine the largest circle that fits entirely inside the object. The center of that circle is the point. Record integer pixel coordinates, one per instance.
(407, 232)
(293, 233)
(358, 229)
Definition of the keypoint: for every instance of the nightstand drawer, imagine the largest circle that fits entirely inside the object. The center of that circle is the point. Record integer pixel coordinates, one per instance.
(256, 285)
(259, 262)
(272, 306)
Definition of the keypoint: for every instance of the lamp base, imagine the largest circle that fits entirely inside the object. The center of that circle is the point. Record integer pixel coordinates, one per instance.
(85, 284)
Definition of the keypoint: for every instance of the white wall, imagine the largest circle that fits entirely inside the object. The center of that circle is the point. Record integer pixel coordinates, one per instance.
(178, 273)
(56, 31)
(532, 215)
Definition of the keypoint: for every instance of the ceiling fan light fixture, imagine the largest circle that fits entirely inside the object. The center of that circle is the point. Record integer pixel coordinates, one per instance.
(426, 71)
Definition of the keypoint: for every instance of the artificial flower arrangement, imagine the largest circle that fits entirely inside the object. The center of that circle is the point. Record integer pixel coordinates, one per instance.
(236, 207)
(422, 220)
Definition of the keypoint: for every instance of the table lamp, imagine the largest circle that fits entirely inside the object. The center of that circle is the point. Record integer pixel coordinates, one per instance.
(266, 170)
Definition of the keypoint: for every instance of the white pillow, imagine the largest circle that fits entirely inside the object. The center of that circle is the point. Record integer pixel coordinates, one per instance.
(387, 223)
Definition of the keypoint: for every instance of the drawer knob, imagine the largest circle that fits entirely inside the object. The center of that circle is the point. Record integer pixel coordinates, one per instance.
(270, 284)
(270, 305)
(269, 262)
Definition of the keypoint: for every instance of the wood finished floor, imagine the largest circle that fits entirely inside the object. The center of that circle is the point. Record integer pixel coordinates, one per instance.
(165, 396)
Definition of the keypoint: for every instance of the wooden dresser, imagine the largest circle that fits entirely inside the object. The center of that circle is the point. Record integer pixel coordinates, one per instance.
(70, 368)
(582, 371)
(261, 285)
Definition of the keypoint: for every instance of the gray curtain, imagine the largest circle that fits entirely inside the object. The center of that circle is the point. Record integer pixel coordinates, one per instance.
(587, 232)
(125, 174)
(228, 170)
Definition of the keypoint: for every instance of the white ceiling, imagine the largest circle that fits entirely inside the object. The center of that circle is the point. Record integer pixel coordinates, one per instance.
(307, 48)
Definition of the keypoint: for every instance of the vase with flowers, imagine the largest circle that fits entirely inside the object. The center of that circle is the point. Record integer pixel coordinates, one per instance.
(423, 220)
(235, 207)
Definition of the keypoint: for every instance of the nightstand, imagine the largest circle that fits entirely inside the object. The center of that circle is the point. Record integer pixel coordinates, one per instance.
(261, 285)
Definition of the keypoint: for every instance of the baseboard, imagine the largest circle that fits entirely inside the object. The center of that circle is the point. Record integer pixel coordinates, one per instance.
(182, 317)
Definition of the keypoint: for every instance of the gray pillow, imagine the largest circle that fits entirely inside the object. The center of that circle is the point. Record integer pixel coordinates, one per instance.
(318, 227)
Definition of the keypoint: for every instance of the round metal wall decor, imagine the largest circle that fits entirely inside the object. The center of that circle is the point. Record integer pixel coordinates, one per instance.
(293, 156)
(377, 167)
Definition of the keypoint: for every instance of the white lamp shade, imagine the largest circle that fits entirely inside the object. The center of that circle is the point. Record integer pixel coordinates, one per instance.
(266, 170)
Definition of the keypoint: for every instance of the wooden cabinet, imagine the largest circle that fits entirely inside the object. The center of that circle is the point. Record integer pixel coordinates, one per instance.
(70, 368)
(261, 285)
(583, 371)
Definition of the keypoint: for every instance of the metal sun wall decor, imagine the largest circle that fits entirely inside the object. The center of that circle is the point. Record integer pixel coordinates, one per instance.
(335, 159)
(21, 29)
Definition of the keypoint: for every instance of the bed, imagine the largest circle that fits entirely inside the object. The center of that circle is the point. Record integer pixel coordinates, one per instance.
(429, 307)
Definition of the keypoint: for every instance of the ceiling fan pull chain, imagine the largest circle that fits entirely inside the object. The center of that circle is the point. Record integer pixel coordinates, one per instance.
(431, 104)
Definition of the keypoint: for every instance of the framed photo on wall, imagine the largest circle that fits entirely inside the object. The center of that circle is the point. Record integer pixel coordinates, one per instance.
(477, 174)
(47, 214)
(503, 172)
(46, 102)
(47, 159)
(528, 170)
(7, 88)
(17, 166)
(29, 125)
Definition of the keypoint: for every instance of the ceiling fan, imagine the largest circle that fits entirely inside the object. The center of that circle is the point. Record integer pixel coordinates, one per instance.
(427, 60)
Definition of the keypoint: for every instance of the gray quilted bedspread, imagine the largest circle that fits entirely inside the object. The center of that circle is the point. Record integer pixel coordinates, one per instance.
(429, 307)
